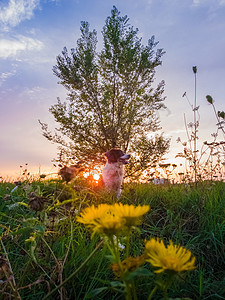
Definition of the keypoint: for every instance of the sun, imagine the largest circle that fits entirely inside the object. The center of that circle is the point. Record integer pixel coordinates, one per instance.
(93, 175)
(96, 177)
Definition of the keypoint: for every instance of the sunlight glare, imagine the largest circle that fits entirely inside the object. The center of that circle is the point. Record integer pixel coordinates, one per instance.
(96, 177)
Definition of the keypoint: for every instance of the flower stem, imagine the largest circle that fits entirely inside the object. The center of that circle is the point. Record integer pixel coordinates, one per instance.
(128, 290)
(133, 290)
(152, 292)
(128, 243)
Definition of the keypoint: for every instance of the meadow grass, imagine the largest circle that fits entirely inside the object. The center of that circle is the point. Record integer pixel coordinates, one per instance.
(41, 249)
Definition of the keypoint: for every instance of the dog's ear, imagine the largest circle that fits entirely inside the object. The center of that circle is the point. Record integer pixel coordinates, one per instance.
(107, 154)
(113, 155)
(110, 155)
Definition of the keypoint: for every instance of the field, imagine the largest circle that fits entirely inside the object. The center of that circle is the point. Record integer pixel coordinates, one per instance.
(47, 254)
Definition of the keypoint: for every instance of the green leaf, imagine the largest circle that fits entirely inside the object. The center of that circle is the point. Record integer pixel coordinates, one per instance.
(110, 258)
(117, 284)
(40, 228)
(179, 299)
(139, 272)
(92, 294)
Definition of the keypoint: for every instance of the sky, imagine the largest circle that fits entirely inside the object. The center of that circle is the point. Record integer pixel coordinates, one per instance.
(34, 32)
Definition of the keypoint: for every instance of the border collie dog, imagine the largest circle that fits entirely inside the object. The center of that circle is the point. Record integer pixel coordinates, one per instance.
(113, 172)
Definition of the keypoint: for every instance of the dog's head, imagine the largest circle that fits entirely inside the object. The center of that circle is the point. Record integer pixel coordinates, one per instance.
(117, 155)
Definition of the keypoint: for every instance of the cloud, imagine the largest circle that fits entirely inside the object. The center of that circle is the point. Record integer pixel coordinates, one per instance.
(208, 2)
(16, 11)
(10, 48)
(5, 75)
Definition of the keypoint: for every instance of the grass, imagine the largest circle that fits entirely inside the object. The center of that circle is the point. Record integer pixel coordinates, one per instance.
(41, 249)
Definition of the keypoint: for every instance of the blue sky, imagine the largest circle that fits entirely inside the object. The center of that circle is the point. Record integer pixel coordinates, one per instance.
(34, 32)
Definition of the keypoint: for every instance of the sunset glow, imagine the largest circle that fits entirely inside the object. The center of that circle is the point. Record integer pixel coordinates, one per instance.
(93, 175)
(29, 88)
(96, 177)
(86, 174)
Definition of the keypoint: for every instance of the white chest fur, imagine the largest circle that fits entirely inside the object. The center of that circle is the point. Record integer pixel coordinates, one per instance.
(112, 176)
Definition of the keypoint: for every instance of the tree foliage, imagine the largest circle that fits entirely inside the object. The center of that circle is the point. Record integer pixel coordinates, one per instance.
(111, 99)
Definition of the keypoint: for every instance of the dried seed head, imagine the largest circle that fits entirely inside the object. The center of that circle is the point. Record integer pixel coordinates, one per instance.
(194, 69)
(3, 262)
(36, 203)
(43, 176)
(6, 197)
(17, 183)
(209, 99)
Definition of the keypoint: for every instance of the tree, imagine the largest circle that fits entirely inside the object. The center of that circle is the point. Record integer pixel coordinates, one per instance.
(111, 101)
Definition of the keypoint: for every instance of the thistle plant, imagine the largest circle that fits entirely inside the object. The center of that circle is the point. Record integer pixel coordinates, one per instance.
(191, 148)
(207, 161)
(216, 158)
(115, 223)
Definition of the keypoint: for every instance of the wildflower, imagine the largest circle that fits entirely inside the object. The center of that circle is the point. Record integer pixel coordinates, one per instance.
(91, 215)
(130, 264)
(100, 219)
(190, 125)
(120, 246)
(214, 135)
(109, 225)
(172, 258)
(130, 213)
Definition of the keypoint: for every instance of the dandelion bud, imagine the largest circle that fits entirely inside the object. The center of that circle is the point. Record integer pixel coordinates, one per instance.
(209, 99)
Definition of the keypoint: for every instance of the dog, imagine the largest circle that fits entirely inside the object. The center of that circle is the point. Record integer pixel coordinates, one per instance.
(113, 172)
(69, 173)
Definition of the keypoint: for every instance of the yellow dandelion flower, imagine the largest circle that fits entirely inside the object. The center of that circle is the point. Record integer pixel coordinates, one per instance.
(173, 258)
(130, 213)
(101, 219)
(92, 214)
(109, 225)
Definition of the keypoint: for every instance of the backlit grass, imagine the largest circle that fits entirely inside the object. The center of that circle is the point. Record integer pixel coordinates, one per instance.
(41, 249)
